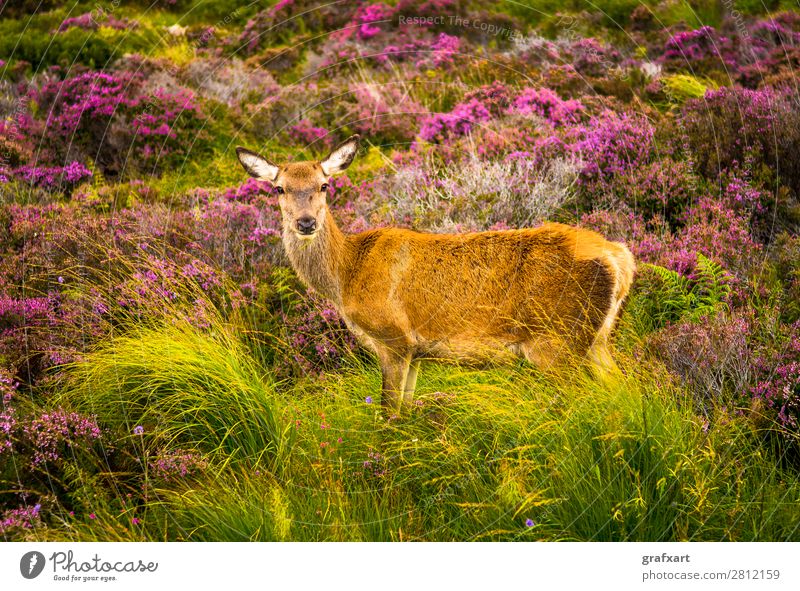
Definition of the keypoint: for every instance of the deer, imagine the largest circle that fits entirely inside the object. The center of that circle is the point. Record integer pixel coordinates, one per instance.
(549, 294)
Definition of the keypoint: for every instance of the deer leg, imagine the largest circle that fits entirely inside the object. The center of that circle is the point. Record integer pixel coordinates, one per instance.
(411, 384)
(394, 369)
(599, 354)
(542, 352)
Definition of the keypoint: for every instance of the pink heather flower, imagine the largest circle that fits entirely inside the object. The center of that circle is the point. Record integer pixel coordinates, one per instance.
(173, 464)
(458, 122)
(305, 133)
(23, 517)
(442, 51)
(547, 104)
(135, 521)
(53, 178)
(370, 15)
(92, 516)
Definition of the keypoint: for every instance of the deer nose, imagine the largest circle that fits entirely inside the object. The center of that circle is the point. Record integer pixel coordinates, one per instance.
(306, 225)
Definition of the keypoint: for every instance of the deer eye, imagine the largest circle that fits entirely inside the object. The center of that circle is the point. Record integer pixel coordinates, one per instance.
(279, 190)
(324, 187)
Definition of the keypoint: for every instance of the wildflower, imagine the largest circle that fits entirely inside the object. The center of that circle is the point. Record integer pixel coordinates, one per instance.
(92, 516)
(138, 430)
(368, 400)
(177, 463)
(135, 521)
(529, 522)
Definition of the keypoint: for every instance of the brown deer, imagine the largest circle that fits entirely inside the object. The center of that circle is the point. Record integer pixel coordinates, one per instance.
(549, 294)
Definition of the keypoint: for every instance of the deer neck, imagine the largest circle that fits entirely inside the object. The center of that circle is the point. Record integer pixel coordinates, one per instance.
(319, 261)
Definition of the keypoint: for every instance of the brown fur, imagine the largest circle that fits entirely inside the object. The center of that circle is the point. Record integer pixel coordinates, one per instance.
(548, 293)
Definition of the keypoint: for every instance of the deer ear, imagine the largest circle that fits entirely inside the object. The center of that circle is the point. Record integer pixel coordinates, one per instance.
(256, 166)
(341, 157)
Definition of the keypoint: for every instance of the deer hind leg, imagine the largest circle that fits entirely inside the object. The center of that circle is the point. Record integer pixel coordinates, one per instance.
(545, 353)
(394, 371)
(411, 384)
(623, 265)
(599, 354)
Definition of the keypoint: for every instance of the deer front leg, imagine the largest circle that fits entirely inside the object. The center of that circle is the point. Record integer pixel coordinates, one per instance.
(394, 369)
(410, 385)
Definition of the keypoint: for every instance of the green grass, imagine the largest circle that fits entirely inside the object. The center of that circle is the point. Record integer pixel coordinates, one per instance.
(484, 450)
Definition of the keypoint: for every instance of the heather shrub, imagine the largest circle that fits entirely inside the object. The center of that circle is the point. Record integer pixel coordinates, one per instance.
(102, 116)
(609, 145)
(776, 389)
(51, 179)
(15, 146)
(94, 20)
(717, 231)
(37, 447)
(276, 24)
(316, 337)
(548, 105)
(472, 194)
(322, 107)
(441, 127)
(306, 134)
(710, 355)
(228, 81)
(664, 187)
(476, 108)
(785, 255)
(384, 113)
(240, 230)
(700, 51)
(592, 58)
(94, 271)
(732, 126)
(771, 51)
(16, 523)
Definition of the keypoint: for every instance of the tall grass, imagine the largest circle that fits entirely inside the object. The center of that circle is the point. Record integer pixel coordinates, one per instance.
(502, 453)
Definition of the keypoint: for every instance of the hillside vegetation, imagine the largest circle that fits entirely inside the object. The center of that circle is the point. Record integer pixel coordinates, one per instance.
(164, 375)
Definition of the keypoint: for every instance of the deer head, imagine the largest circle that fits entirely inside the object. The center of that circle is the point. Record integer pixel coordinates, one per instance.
(302, 186)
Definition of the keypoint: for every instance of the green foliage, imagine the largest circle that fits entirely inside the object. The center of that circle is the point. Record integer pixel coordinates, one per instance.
(199, 390)
(681, 87)
(617, 13)
(35, 42)
(762, 6)
(482, 453)
(664, 296)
